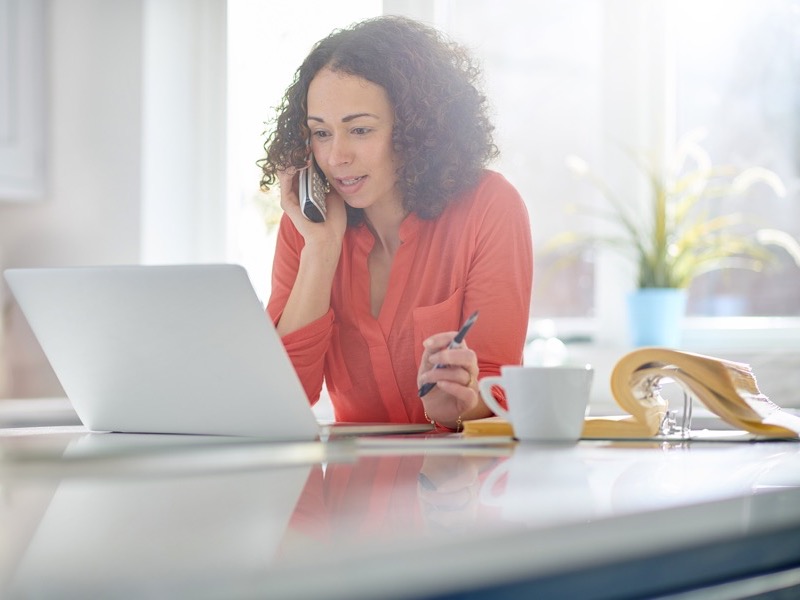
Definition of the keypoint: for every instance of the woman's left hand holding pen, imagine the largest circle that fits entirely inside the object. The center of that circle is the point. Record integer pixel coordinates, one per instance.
(454, 371)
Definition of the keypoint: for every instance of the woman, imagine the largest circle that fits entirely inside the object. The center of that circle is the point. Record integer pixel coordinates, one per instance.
(418, 234)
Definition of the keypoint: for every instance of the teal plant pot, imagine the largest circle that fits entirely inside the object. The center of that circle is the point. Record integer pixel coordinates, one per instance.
(655, 316)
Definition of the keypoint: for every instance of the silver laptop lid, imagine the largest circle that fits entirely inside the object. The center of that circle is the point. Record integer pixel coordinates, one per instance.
(165, 349)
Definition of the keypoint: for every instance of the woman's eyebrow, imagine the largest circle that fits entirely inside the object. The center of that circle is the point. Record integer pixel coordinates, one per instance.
(345, 119)
(349, 118)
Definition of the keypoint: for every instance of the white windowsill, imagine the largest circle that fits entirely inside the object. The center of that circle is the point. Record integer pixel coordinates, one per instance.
(770, 345)
(746, 334)
(701, 334)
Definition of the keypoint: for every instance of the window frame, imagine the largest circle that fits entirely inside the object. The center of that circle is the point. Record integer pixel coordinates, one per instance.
(23, 170)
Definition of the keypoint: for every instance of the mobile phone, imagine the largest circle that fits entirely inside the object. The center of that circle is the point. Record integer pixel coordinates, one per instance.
(313, 189)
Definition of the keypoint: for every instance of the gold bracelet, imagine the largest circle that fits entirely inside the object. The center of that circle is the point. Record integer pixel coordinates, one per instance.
(459, 423)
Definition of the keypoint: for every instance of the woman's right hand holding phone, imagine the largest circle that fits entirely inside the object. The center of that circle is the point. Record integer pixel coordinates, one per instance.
(331, 231)
(310, 297)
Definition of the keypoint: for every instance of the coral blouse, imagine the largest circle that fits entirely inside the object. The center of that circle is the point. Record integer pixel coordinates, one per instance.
(477, 255)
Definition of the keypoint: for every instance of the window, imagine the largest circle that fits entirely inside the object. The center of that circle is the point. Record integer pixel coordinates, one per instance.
(543, 71)
(266, 43)
(738, 76)
(579, 77)
(22, 105)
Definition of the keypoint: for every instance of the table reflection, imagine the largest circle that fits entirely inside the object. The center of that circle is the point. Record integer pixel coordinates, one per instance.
(390, 497)
(190, 515)
(99, 534)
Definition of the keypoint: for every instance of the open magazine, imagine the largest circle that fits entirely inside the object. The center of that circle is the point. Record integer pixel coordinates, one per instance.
(726, 388)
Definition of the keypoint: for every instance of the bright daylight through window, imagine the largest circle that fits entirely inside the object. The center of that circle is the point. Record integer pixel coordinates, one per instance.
(589, 78)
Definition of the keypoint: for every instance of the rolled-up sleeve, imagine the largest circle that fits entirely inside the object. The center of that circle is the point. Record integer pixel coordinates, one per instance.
(308, 345)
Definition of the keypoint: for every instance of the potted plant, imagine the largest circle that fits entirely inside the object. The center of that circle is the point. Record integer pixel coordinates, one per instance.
(679, 236)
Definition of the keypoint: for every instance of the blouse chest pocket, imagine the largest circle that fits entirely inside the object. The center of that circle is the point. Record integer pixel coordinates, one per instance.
(429, 320)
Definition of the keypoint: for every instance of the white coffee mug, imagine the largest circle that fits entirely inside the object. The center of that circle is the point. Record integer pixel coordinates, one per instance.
(545, 404)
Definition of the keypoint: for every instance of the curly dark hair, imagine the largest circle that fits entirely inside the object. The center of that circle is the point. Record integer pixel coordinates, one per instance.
(442, 132)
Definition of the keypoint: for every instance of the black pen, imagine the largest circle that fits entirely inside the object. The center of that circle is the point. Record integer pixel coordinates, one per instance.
(456, 341)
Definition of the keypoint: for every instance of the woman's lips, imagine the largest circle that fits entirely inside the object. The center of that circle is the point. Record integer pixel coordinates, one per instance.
(349, 185)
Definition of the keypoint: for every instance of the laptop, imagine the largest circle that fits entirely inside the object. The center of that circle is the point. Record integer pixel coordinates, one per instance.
(184, 349)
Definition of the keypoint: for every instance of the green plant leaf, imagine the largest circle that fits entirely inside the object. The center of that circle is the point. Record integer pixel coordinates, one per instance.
(681, 235)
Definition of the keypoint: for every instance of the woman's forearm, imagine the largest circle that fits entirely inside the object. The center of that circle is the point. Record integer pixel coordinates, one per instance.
(310, 297)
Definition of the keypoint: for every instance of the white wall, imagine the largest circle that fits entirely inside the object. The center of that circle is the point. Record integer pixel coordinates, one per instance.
(91, 207)
(132, 87)
(90, 212)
